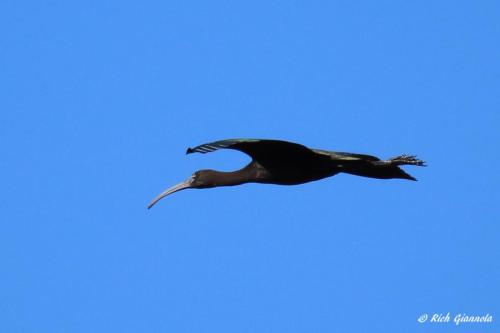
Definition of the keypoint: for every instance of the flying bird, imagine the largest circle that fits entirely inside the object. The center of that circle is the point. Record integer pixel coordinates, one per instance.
(287, 163)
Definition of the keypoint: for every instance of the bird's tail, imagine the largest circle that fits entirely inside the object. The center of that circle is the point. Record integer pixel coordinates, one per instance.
(401, 174)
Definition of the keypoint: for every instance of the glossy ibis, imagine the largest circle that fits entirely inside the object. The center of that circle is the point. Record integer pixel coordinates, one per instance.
(288, 163)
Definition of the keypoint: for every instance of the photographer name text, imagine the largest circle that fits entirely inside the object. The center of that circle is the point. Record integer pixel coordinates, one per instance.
(457, 319)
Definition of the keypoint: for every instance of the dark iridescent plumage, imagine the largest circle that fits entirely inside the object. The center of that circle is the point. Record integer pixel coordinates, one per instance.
(288, 163)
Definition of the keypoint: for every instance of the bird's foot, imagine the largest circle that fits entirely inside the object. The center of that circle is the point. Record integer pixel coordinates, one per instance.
(407, 160)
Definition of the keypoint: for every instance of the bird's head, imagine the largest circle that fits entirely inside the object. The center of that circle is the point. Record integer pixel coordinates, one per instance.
(199, 179)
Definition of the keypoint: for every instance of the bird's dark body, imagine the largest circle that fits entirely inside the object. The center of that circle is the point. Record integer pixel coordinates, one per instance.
(287, 163)
(294, 173)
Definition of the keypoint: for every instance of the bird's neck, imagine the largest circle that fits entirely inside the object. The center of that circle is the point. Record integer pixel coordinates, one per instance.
(252, 173)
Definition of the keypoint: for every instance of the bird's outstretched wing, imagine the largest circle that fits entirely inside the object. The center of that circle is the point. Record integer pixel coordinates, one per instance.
(285, 151)
(264, 151)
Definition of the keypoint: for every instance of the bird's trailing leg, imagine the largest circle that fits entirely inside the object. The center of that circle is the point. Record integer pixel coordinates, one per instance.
(401, 160)
(405, 160)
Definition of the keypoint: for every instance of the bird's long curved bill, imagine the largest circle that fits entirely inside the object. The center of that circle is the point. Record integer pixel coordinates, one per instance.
(181, 186)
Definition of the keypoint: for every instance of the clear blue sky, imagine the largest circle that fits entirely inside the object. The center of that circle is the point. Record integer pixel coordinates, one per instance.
(100, 99)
